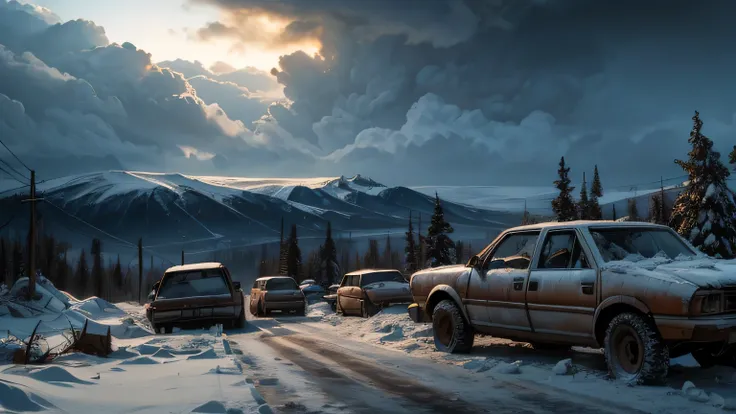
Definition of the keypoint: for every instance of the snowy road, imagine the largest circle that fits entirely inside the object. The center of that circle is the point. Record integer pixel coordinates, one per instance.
(301, 367)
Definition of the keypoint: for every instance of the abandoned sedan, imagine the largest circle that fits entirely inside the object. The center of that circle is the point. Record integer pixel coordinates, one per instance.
(279, 293)
(196, 294)
(636, 289)
(365, 292)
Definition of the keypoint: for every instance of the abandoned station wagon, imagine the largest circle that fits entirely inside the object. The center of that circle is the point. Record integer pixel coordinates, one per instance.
(636, 289)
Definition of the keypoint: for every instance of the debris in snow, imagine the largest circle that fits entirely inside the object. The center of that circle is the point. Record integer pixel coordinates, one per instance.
(512, 368)
(563, 367)
(692, 393)
(96, 376)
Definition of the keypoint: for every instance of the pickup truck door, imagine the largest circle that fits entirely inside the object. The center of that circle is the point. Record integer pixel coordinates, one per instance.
(349, 294)
(561, 293)
(496, 295)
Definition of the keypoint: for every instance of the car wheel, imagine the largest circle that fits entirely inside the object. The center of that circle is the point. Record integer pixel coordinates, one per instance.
(168, 329)
(301, 311)
(367, 308)
(634, 350)
(452, 333)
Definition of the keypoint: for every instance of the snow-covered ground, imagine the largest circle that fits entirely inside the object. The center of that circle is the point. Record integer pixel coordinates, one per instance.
(184, 372)
(326, 363)
(578, 371)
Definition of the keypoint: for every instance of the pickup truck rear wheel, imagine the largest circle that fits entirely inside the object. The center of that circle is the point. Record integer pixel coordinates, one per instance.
(452, 333)
(634, 350)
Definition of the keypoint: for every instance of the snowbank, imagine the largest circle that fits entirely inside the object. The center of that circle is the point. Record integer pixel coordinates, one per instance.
(164, 380)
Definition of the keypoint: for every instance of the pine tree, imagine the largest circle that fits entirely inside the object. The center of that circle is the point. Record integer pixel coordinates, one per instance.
(372, 257)
(294, 256)
(358, 264)
(596, 192)
(438, 225)
(17, 269)
(633, 210)
(117, 276)
(704, 212)
(460, 248)
(328, 258)
(584, 203)
(421, 244)
(386, 259)
(82, 274)
(410, 250)
(441, 249)
(563, 205)
(283, 252)
(613, 216)
(655, 210)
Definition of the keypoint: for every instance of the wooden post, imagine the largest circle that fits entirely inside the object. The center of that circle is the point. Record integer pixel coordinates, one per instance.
(140, 269)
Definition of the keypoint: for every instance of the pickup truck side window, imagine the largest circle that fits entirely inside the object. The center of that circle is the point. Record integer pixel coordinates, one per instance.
(516, 250)
(562, 250)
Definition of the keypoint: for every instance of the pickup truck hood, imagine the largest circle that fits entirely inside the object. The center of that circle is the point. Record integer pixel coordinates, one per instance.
(705, 273)
(423, 281)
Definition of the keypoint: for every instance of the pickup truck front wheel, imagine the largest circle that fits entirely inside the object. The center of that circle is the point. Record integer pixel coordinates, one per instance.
(452, 333)
(634, 350)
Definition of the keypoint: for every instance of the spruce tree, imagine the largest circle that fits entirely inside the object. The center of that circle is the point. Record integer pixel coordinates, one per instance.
(460, 249)
(283, 252)
(440, 248)
(596, 192)
(438, 224)
(82, 274)
(17, 269)
(328, 257)
(704, 212)
(386, 260)
(358, 264)
(584, 203)
(117, 276)
(410, 250)
(293, 256)
(564, 205)
(613, 215)
(633, 210)
(372, 257)
(655, 210)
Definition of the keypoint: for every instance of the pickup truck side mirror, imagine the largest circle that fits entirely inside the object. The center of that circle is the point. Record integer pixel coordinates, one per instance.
(236, 285)
(152, 295)
(155, 286)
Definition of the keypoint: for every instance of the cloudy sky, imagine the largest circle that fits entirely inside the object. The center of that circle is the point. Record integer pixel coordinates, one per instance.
(410, 92)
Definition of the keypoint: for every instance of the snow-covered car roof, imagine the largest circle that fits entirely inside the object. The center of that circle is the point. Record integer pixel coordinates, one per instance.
(274, 277)
(195, 266)
(586, 223)
(364, 271)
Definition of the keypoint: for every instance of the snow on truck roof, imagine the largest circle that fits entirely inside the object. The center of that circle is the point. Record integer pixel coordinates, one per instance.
(194, 266)
(363, 271)
(274, 277)
(586, 223)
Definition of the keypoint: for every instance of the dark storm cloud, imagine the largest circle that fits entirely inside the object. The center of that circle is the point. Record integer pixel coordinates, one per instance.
(69, 97)
(520, 83)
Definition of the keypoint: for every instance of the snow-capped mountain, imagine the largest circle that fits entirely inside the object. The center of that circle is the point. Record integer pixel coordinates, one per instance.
(177, 208)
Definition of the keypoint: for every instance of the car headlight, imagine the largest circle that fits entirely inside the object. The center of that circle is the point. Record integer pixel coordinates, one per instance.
(707, 303)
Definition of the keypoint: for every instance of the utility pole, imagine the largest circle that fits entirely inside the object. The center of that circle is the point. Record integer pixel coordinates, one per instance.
(32, 238)
(140, 269)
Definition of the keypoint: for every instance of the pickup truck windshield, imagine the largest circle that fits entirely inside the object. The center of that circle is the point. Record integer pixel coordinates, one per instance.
(193, 283)
(281, 284)
(369, 278)
(620, 243)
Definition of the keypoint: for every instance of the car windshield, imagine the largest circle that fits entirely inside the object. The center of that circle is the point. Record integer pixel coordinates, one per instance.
(281, 284)
(376, 277)
(622, 243)
(193, 283)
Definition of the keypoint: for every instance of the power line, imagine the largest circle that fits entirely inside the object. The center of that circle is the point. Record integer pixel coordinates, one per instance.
(12, 177)
(15, 156)
(13, 169)
(104, 232)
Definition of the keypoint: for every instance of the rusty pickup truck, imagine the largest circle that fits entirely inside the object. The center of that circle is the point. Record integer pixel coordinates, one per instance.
(198, 294)
(638, 290)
